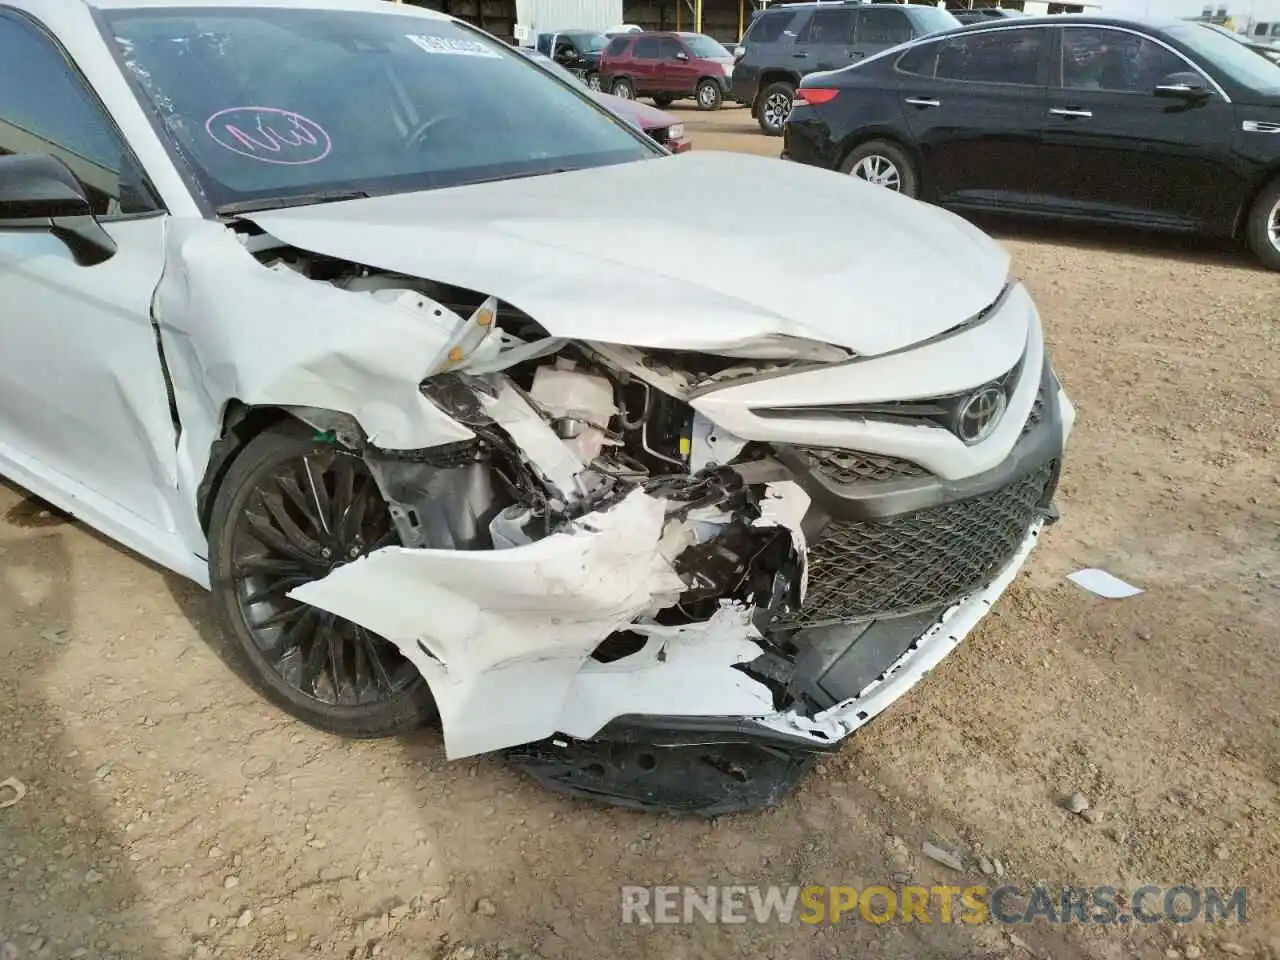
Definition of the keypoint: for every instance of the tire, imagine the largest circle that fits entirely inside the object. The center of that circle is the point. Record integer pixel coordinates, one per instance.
(885, 164)
(1263, 227)
(623, 88)
(774, 107)
(663, 101)
(592, 80)
(261, 546)
(708, 95)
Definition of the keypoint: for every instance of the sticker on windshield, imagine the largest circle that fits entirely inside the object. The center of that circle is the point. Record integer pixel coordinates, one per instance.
(457, 46)
(270, 135)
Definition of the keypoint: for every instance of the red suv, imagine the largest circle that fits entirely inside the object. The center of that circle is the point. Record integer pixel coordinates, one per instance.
(666, 67)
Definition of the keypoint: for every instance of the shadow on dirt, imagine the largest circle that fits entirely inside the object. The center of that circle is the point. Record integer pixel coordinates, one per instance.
(66, 888)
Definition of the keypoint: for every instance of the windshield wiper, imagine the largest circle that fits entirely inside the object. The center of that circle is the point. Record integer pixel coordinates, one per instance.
(294, 200)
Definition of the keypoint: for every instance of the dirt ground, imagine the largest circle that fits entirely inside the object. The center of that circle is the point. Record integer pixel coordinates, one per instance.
(169, 813)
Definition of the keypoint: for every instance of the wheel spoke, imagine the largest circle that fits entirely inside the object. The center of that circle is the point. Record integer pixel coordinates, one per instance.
(351, 521)
(334, 638)
(319, 492)
(276, 587)
(273, 504)
(262, 531)
(317, 653)
(292, 637)
(344, 478)
(281, 616)
(382, 680)
(302, 501)
(269, 567)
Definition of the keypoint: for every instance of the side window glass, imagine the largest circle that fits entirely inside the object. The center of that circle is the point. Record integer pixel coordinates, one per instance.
(45, 108)
(669, 48)
(616, 46)
(828, 26)
(1115, 61)
(646, 49)
(882, 27)
(997, 56)
(768, 27)
(920, 61)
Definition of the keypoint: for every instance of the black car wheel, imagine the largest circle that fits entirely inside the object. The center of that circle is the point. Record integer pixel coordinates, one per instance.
(883, 164)
(291, 509)
(623, 89)
(775, 107)
(663, 101)
(1264, 226)
(709, 95)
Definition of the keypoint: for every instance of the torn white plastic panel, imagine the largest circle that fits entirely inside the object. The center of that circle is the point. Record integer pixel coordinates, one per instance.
(1103, 584)
(687, 283)
(926, 653)
(500, 635)
(681, 671)
(547, 452)
(784, 505)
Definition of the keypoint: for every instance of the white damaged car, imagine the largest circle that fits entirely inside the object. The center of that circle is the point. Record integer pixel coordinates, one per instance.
(390, 338)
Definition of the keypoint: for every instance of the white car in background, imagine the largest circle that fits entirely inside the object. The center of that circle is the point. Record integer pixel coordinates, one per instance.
(465, 399)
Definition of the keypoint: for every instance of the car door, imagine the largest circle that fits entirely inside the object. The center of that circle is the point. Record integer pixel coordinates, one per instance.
(1114, 149)
(676, 72)
(974, 103)
(879, 28)
(84, 408)
(824, 42)
(645, 56)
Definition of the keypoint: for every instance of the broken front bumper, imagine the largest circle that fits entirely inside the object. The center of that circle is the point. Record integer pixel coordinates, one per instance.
(842, 674)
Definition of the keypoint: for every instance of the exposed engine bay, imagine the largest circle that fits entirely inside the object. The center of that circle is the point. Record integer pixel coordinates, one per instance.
(631, 601)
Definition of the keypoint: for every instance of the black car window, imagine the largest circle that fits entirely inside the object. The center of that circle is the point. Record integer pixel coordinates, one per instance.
(828, 26)
(616, 46)
(768, 27)
(646, 48)
(668, 48)
(882, 27)
(1115, 61)
(921, 60)
(45, 107)
(994, 56)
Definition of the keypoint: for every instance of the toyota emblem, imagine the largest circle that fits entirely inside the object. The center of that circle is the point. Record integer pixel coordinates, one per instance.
(980, 414)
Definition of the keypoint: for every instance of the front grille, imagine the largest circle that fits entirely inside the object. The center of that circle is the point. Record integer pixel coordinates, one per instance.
(846, 468)
(864, 568)
(1037, 413)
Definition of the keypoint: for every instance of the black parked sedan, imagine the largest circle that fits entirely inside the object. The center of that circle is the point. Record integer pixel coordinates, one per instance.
(1172, 126)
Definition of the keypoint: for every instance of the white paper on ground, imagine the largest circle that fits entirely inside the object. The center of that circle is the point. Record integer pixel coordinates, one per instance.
(1103, 584)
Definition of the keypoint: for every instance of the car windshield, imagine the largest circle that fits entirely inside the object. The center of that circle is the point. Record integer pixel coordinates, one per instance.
(268, 106)
(546, 63)
(591, 43)
(705, 47)
(1231, 57)
(933, 20)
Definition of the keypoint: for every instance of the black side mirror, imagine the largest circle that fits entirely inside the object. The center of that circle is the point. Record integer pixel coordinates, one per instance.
(1183, 86)
(39, 192)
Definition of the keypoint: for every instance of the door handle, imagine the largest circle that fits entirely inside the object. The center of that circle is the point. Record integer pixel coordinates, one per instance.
(924, 102)
(1083, 114)
(800, 56)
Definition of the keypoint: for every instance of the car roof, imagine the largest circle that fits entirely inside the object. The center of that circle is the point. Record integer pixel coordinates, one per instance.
(1075, 19)
(355, 6)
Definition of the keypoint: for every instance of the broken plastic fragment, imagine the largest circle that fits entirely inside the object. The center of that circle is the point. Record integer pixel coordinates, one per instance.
(1103, 584)
(14, 785)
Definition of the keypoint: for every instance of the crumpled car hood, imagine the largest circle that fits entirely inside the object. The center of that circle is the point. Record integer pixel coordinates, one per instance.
(693, 252)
